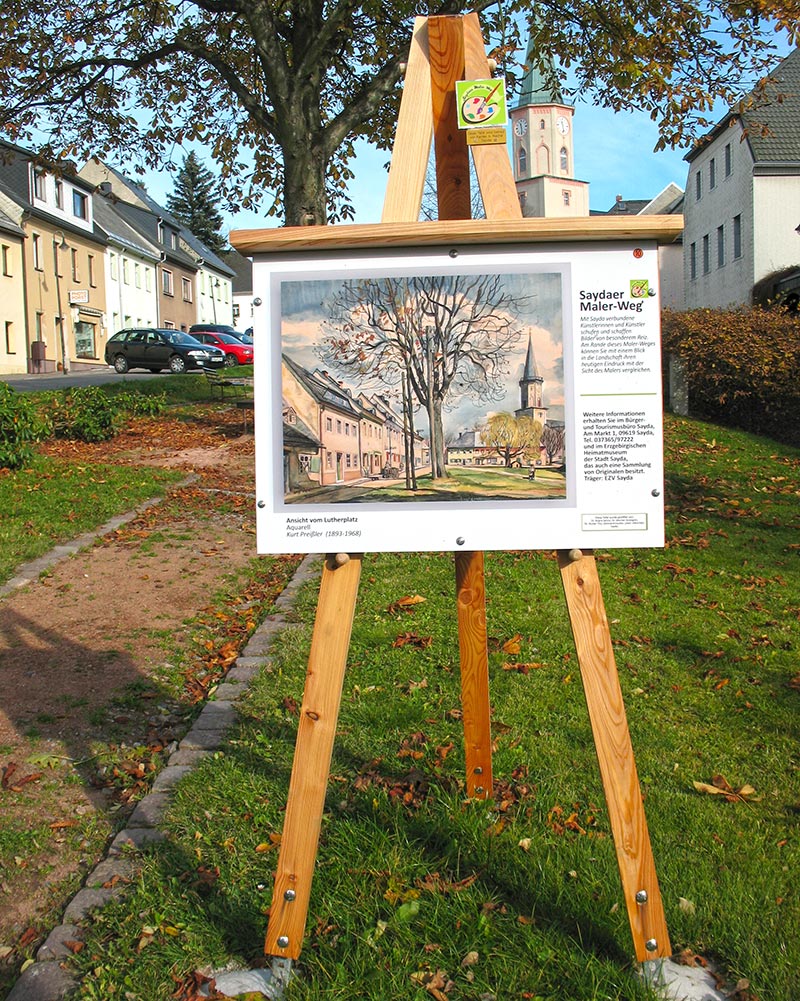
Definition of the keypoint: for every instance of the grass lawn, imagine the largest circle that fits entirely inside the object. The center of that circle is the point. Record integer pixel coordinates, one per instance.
(521, 898)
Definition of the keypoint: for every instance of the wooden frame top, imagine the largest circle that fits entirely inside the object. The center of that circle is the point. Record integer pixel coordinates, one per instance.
(663, 229)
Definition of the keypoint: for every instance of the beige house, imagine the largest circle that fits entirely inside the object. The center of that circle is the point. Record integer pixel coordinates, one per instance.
(13, 344)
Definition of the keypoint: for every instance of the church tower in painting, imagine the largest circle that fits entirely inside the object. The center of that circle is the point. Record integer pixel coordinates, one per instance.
(530, 389)
(543, 155)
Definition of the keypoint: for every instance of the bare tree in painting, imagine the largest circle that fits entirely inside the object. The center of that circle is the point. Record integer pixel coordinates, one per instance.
(445, 334)
(553, 441)
(514, 439)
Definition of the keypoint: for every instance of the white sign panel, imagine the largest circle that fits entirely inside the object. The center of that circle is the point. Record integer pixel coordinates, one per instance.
(469, 398)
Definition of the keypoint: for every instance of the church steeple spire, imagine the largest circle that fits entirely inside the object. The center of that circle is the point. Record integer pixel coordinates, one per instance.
(539, 86)
(531, 383)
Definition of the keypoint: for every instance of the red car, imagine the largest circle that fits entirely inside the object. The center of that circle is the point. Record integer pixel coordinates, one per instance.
(236, 353)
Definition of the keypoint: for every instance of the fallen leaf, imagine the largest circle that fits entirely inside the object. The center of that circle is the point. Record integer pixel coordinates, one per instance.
(412, 639)
(686, 906)
(405, 604)
(720, 786)
(525, 668)
(470, 959)
(514, 645)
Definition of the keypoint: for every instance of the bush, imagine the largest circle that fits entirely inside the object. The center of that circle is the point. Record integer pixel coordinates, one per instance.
(742, 365)
(139, 405)
(85, 413)
(20, 427)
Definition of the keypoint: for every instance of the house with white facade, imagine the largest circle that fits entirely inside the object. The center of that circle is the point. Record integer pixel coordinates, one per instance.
(742, 205)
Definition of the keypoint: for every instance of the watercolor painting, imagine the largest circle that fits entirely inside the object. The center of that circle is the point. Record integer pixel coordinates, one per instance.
(402, 388)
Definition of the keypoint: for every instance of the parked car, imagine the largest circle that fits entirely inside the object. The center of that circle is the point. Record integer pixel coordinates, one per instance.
(236, 352)
(156, 349)
(220, 328)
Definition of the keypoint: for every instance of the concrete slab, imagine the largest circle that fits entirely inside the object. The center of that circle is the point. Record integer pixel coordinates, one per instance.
(674, 982)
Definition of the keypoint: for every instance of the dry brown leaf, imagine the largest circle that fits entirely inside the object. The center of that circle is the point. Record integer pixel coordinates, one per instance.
(514, 645)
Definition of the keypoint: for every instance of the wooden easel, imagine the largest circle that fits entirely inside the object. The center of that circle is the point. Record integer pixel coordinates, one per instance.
(443, 50)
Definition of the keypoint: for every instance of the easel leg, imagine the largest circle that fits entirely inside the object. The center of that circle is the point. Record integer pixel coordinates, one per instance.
(312, 757)
(470, 592)
(615, 754)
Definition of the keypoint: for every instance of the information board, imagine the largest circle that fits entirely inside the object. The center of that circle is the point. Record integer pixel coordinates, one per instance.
(462, 397)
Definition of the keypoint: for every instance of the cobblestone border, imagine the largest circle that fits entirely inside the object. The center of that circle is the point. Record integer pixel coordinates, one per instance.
(46, 979)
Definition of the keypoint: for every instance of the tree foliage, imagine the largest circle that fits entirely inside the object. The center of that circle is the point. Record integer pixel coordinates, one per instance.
(433, 335)
(279, 92)
(195, 202)
(514, 439)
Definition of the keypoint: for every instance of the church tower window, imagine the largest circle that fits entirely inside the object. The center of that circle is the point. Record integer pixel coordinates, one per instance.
(522, 161)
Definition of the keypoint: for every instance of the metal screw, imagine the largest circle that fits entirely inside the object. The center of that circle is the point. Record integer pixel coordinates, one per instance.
(479, 770)
(641, 897)
(261, 504)
(479, 789)
(454, 252)
(283, 941)
(651, 945)
(289, 895)
(460, 540)
(656, 493)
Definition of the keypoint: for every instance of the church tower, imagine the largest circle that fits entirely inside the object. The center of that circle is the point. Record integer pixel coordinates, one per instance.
(530, 389)
(542, 147)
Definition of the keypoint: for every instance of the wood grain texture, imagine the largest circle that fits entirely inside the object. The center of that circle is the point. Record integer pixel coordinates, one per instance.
(614, 753)
(412, 140)
(450, 232)
(446, 48)
(312, 757)
(492, 165)
(474, 657)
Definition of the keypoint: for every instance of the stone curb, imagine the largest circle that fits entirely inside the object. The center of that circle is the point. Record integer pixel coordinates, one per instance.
(46, 979)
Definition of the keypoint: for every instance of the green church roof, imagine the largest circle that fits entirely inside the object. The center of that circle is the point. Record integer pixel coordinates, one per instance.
(539, 86)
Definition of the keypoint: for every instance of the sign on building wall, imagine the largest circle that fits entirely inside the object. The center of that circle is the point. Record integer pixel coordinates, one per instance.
(440, 399)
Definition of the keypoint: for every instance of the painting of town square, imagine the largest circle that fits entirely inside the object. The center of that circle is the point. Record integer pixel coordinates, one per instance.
(442, 387)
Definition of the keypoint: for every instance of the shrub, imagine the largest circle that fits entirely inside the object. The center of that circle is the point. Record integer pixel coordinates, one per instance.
(85, 413)
(20, 427)
(139, 404)
(742, 365)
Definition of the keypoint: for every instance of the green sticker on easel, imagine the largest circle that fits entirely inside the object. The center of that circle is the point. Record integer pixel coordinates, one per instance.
(481, 103)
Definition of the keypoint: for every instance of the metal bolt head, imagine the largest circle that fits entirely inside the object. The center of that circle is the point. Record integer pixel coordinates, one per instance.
(478, 770)
(283, 941)
(641, 897)
(289, 895)
(651, 945)
(460, 540)
(261, 504)
(479, 789)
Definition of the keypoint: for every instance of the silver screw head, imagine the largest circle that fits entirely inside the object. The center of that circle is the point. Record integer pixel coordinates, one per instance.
(460, 540)
(289, 895)
(641, 897)
(651, 945)
(283, 941)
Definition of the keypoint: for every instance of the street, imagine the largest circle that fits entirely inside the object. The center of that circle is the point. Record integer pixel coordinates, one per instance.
(59, 380)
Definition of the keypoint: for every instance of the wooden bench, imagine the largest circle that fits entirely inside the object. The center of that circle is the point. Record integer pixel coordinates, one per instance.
(219, 382)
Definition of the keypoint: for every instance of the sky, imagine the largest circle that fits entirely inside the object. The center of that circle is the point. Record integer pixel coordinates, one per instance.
(613, 152)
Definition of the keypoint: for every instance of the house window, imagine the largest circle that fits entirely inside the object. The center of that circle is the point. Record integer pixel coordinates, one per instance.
(92, 282)
(693, 261)
(522, 160)
(80, 205)
(712, 173)
(37, 252)
(564, 159)
(74, 262)
(6, 260)
(39, 328)
(720, 246)
(59, 194)
(84, 340)
(347, 460)
(186, 287)
(112, 266)
(11, 347)
(347, 428)
(737, 236)
(728, 160)
(541, 125)
(338, 427)
(137, 274)
(161, 232)
(565, 195)
(329, 460)
(126, 270)
(167, 286)
(328, 424)
(698, 186)
(148, 279)
(39, 185)
(706, 255)
(169, 325)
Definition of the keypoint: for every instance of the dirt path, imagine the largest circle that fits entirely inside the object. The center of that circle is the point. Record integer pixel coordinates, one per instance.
(87, 665)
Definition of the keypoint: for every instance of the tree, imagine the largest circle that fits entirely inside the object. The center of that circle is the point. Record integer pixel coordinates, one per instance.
(195, 201)
(293, 84)
(553, 441)
(441, 333)
(514, 439)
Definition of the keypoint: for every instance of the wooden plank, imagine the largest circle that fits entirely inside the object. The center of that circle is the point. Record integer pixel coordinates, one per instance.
(312, 757)
(368, 236)
(446, 49)
(472, 641)
(412, 141)
(615, 755)
(492, 165)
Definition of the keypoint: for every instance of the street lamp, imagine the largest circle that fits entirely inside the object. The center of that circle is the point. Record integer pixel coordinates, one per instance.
(60, 243)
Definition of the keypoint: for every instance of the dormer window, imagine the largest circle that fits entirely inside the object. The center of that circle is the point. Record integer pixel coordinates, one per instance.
(39, 185)
(80, 205)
